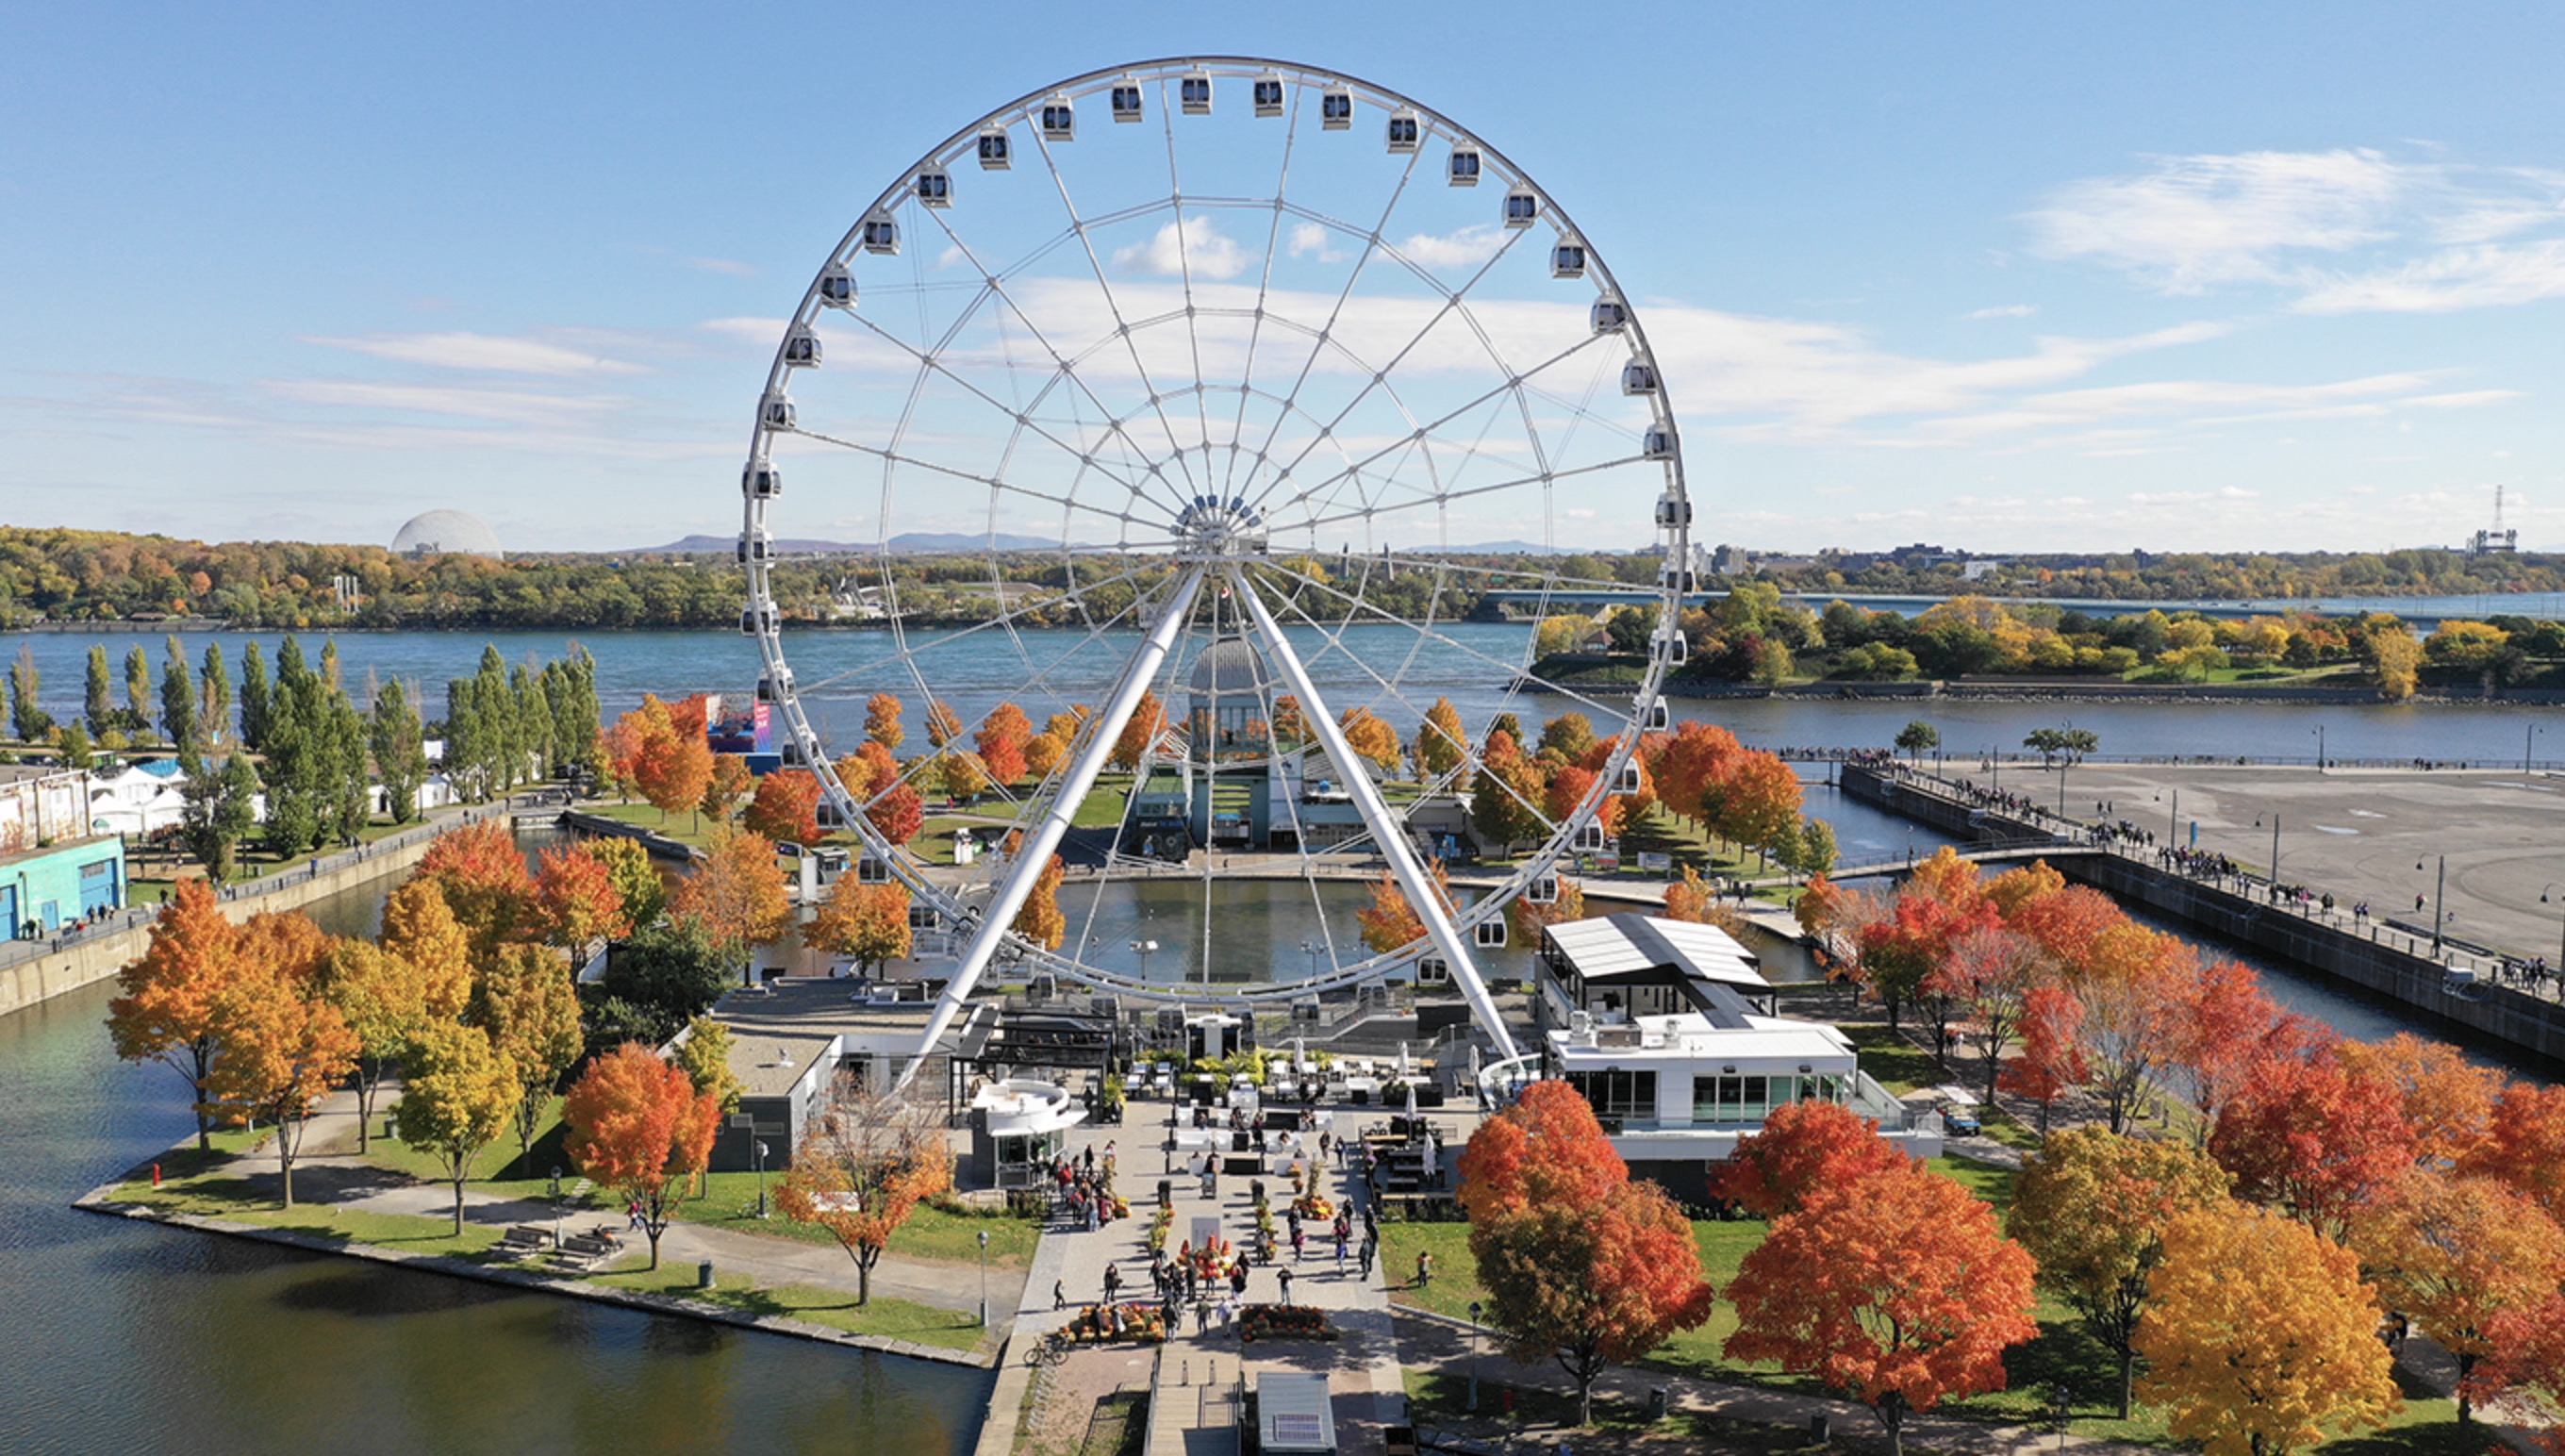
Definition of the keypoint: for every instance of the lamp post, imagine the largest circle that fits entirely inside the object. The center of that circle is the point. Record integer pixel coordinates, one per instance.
(1143, 949)
(557, 1207)
(2560, 944)
(1475, 1308)
(2062, 1401)
(2320, 753)
(2528, 737)
(761, 1178)
(983, 1279)
(1310, 949)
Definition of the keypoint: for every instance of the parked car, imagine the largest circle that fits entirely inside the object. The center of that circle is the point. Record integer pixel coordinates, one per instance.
(1960, 1122)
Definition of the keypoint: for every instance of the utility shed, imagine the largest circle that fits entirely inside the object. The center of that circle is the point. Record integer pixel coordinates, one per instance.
(1293, 1414)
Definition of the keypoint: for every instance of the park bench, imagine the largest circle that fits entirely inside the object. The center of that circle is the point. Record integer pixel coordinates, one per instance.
(523, 1239)
(582, 1249)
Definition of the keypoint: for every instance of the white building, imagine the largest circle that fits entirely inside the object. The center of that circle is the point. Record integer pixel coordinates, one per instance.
(39, 804)
(1656, 1022)
(139, 799)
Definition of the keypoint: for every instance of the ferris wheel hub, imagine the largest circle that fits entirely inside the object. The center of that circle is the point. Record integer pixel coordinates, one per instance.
(1210, 529)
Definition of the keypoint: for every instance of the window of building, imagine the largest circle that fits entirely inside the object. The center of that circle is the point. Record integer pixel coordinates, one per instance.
(1617, 1094)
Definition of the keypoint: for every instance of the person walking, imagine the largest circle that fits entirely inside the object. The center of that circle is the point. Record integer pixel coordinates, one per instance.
(1112, 1283)
(1424, 1267)
(1059, 1295)
(1286, 1277)
(1362, 1264)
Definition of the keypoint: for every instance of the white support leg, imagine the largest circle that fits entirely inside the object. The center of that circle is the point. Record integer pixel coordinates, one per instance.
(1017, 886)
(1384, 825)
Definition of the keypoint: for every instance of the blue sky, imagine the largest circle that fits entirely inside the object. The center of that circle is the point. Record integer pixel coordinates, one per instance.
(2004, 277)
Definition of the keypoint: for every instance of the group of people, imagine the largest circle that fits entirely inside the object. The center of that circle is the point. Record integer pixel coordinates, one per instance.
(1083, 1188)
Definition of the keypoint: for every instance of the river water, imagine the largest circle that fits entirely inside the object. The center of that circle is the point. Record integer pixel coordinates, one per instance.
(1045, 671)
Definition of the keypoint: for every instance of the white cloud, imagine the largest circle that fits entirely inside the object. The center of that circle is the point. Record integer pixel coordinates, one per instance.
(518, 406)
(1195, 246)
(2348, 230)
(1475, 243)
(2003, 311)
(1309, 240)
(722, 266)
(489, 352)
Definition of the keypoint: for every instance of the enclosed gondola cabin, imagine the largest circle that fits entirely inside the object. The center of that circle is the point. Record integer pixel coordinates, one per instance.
(935, 187)
(775, 686)
(1523, 208)
(759, 480)
(996, 156)
(882, 235)
(756, 545)
(1192, 91)
(1059, 120)
(1657, 718)
(1567, 260)
(1336, 109)
(1127, 103)
(802, 349)
(1609, 316)
(759, 617)
(778, 413)
(837, 286)
(1268, 96)
(1404, 132)
(1673, 511)
(1658, 443)
(1638, 379)
(1462, 169)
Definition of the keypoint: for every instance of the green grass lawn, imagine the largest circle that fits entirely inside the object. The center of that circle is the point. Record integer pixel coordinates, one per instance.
(218, 1192)
(836, 1309)
(730, 1202)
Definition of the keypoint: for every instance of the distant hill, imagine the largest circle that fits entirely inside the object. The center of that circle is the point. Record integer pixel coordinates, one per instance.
(920, 543)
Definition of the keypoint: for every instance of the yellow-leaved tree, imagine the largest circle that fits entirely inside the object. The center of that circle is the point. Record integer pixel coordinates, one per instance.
(2260, 1337)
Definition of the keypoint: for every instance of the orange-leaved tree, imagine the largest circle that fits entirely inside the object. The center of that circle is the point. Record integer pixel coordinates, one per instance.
(1371, 738)
(1581, 1265)
(1041, 920)
(530, 1007)
(1526, 917)
(2092, 1206)
(420, 929)
(169, 1012)
(862, 1179)
(1148, 720)
(943, 725)
(2524, 1145)
(2051, 1063)
(576, 900)
(1389, 921)
(2313, 1138)
(2260, 1337)
(285, 1046)
(482, 874)
(881, 721)
(1895, 1287)
(671, 768)
(786, 808)
(729, 783)
(1001, 741)
(456, 1094)
(896, 813)
(639, 1125)
(1802, 1149)
(2448, 1101)
(867, 923)
(2458, 1254)
(736, 893)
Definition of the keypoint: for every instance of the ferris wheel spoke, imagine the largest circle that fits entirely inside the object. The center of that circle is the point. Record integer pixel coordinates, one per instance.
(994, 485)
(1065, 370)
(1121, 323)
(899, 659)
(1311, 523)
(1462, 410)
(1185, 273)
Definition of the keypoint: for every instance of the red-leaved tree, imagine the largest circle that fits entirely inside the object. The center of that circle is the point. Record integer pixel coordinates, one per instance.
(638, 1126)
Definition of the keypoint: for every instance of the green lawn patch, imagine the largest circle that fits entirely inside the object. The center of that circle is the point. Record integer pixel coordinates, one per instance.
(219, 1193)
(888, 1317)
(730, 1202)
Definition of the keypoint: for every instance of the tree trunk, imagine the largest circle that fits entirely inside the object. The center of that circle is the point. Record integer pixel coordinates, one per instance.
(458, 1205)
(865, 1258)
(365, 1104)
(285, 1162)
(2128, 1377)
(2466, 1409)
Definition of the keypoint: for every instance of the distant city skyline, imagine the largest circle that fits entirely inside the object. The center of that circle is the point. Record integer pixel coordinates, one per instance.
(2016, 279)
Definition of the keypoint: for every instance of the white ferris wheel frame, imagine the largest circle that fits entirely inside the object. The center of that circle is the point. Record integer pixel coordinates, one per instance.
(1222, 552)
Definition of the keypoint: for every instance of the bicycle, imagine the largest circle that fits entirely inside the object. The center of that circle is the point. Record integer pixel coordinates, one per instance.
(1052, 1350)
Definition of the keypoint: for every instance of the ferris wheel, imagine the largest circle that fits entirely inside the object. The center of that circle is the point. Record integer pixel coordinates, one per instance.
(1223, 387)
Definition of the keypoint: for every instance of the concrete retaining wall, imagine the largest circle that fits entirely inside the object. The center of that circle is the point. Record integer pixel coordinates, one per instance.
(83, 960)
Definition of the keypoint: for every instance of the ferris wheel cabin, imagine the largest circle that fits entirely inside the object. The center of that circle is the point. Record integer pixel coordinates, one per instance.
(1523, 208)
(1462, 169)
(1125, 103)
(1194, 92)
(1404, 132)
(1336, 109)
(935, 187)
(1268, 94)
(994, 154)
(837, 286)
(1059, 120)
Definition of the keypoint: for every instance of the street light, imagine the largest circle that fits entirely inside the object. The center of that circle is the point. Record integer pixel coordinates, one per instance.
(2062, 1401)
(2320, 753)
(2560, 946)
(2526, 739)
(1475, 1308)
(1144, 948)
(557, 1207)
(983, 1279)
(1310, 949)
(761, 1178)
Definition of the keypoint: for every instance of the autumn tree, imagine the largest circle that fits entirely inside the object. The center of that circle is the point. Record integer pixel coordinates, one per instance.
(2092, 1206)
(1896, 1288)
(528, 1004)
(868, 923)
(576, 900)
(457, 1098)
(1041, 920)
(1569, 735)
(2524, 1145)
(2312, 1138)
(1043, 755)
(1526, 917)
(2527, 1367)
(896, 813)
(1506, 796)
(731, 781)
(2458, 1254)
(170, 1009)
(786, 808)
(482, 874)
(2259, 1336)
(736, 893)
(1290, 725)
(2132, 998)
(640, 1126)
(861, 1180)
(1580, 1264)
(671, 768)
(642, 897)
(1371, 738)
(1389, 921)
(963, 776)
(881, 721)
(1801, 1150)
(1140, 734)
(1001, 742)
(1440, 740)
(385, 1003)
(2051, 1063)
(2448, 1101)
(421, 931)
(285, 1046)
(703, 1050)
(1989, 972)
(2227, 1024)
(943, 725)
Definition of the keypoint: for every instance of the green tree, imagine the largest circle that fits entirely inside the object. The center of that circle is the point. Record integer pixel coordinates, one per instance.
(220, 807)
(399, 747)
(1916, 739)
(217, 707)
(137, 690)
(178, 701)
(704, 1053)
(457, 1095)
(1817, 851)
(98, 702)
(528, 1004)
(28, 721)
(253, 698)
